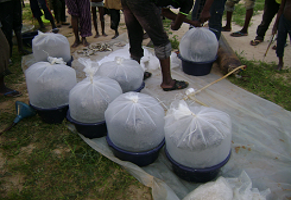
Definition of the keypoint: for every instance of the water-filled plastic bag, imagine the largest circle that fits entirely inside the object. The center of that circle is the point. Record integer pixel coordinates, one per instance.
(49, 84)
(127, 72)
(50, 44)
(199, 45)
(135, 122)
(197, 136)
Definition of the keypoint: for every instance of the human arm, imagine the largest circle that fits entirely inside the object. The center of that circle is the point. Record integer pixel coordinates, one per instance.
(178, 19)
(280, 12)
(205, 14)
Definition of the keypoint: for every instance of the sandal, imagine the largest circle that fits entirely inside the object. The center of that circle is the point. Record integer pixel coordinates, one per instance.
(255, 42)
(177, 85)
(147, 75)
(238, 34)
(12, 93)
(226, 29)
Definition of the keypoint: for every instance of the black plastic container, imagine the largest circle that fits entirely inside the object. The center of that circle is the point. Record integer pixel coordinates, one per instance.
(90, 130)
(201, 175)
(196, 68)
(138, 158)
(27, 38)
(69, 63)
(140, 88)
(53, 115)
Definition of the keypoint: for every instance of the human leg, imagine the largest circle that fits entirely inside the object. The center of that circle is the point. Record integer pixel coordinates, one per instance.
(141, 15)
(101, 18)
(215, 21)
(229, 7)
(94, 17)
(74, 22)
(283, 29)
(115, 21)
(48, 14)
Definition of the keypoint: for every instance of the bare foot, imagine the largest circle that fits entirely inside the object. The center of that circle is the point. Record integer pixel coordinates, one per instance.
(76, 44)
(104, 35)
(84, 42)
(96, 36)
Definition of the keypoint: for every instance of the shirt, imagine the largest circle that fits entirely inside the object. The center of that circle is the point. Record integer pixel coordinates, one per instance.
(184, 5)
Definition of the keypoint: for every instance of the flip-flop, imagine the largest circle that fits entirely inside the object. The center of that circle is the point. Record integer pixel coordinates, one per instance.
(178, 85)
(147, 75)
(255, 42)
(12, 93)
(238, 34)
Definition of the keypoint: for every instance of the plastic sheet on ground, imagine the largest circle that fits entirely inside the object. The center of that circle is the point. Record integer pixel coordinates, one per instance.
(261, 140)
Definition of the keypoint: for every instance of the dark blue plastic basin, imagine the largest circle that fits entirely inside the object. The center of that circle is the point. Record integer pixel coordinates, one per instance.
(196, 174)
(27, 38)
(52, 115)
(89, 130)
(140, 88)
(138, 158)
(196, 68)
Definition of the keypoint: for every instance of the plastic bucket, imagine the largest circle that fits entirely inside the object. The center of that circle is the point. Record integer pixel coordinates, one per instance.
(90, 130)
(52, 115)
(196, 174)
(140, 88)
(196, 68)
(138, 158)
(27, 38)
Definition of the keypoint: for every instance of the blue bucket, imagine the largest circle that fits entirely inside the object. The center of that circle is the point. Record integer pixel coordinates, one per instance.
(196, 68)
(201, 175)
(52, 115)
(139, 158)
(89, 130)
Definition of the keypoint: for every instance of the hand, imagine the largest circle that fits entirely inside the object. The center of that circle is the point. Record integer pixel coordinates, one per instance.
(196, 23)
(274, 30)
(174, 26)
(205, 16)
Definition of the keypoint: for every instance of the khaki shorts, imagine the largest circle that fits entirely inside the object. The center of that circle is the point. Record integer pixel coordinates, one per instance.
(229, 5)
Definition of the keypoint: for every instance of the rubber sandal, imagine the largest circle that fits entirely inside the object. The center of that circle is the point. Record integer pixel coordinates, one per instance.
(255, 42)
(178, 85)
(12, 93)
(238, 34)
(55, 30)
(147, 75)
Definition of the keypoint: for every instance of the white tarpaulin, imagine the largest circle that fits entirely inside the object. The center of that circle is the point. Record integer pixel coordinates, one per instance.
(261, 139)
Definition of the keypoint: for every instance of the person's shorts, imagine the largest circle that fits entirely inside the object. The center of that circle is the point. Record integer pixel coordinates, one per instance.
(96, 4)
(229, 5)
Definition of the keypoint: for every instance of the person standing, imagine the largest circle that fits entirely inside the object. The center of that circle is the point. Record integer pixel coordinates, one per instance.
(283, 26)
(215, 8)
(270, 10)
(80, 14)
(145, 15)
(4, 71)
(98, 4)
(229, 7)
(37, 13)
(59, 8)
(11, 19)
(114, 7)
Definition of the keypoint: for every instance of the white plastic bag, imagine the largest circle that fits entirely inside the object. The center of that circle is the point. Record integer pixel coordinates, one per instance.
(199, 45)
(228, 189)
(197, 136)
(50, 44)
(89, 99)
(127, 72)
(135, 122)
(49, 83)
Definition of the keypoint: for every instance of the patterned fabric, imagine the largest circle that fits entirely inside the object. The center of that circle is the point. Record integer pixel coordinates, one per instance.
(4, 55)
(113, 4)
(81, 9)
(229, 5)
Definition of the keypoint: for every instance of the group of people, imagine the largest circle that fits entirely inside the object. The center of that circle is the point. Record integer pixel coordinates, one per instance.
(145, 15)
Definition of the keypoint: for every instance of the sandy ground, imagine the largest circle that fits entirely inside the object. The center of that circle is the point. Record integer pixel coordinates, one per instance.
(241, 45)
